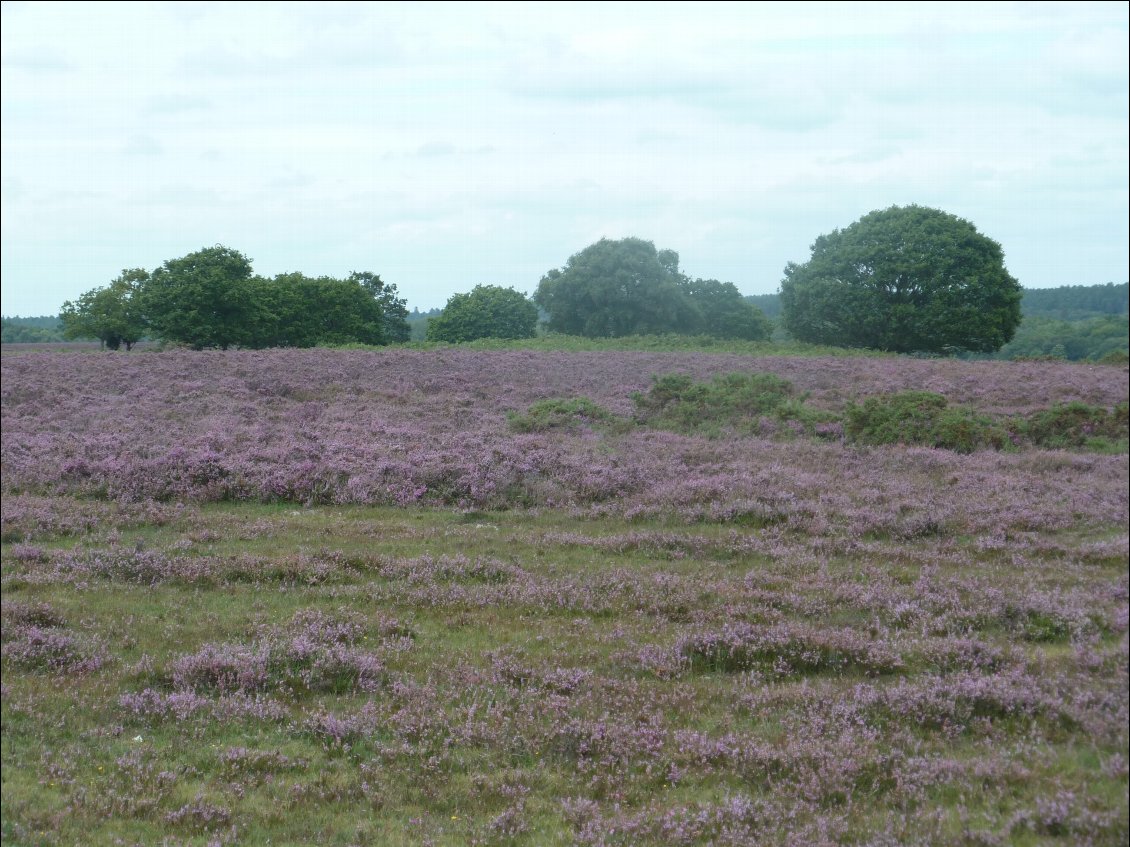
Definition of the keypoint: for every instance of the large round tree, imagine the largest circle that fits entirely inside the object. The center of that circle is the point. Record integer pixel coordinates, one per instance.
(205, 299)
(904, 279)
(488, 311)
(616, 288)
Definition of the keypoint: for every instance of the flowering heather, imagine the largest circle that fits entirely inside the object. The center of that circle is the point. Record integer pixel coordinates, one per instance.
(338, 597)
(403, 427)
(36, 638)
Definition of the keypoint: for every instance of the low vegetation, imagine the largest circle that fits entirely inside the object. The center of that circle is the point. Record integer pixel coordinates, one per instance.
(465, 596)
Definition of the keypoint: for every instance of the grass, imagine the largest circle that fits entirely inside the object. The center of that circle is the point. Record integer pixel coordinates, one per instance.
(533, 690)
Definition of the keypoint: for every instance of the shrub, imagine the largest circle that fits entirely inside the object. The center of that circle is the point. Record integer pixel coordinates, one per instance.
(785, 651)
(922, 418)
(1077, 424)
(559, 414)
(488, 311)
(1114, 357)
(729, 402)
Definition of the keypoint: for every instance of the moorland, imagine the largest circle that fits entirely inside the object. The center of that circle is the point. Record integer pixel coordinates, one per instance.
(529, 596)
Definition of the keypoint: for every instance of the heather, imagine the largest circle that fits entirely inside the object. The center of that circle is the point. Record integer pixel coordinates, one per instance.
(472, 429)
(489, 597)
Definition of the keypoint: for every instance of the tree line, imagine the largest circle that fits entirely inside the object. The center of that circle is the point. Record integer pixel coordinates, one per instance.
(213, 298)
(904, 279)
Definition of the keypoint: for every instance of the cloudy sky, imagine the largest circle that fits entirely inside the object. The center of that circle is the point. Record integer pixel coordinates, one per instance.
(449, 145)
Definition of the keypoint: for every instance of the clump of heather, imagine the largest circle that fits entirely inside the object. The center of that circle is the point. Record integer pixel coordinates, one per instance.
(954, 702)
(33, 517)
(50, 650)
(16, 613)
(222, 668)
(786, 650)
(35, 639)
(314, 652)
(184, 706)
(200, 814)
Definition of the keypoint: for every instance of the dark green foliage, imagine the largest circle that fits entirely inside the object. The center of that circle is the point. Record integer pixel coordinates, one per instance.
(907, 279)
(1076, 302)
(307, 312)
(418, 323)
(724, 313)
(394, 310)
(1075, 340)
(614, 289)
(1116, 358)
(210, 298)
(735, 402)
(560, 414)
(35, 330)
(617, 288)
(922, 418)
(487, 311)
(770, 304)
(206, 299)
(926, 419)
(113, 314)
(1078, 424)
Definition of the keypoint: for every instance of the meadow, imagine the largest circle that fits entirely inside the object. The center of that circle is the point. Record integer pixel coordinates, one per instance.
(528, 596)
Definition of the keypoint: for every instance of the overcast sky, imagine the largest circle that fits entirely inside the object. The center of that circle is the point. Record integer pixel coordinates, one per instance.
(444, 146)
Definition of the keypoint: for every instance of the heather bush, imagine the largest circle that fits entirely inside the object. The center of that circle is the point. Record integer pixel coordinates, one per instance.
(34, 638)
(15, 613)
(315, 652)
(785, 651)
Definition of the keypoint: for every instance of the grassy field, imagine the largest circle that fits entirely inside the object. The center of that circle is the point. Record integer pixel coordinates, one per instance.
(351, 598)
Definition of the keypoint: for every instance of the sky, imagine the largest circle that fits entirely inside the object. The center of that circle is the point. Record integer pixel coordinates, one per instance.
(449, 145)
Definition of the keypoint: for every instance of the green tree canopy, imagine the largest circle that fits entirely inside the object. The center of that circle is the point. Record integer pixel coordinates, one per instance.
(394, 309)
(903, 279)
(628, 287)
(206, 299)
(112, 314)
(487, 311)
(724, 313)
(616, 288)
(309, 311)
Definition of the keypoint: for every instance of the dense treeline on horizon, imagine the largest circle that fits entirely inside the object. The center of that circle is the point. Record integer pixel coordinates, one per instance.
(1073, 322)
(905, 279)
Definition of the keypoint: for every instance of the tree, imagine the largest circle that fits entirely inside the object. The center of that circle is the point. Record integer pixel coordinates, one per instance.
(111, 314)
(338, 312)
(206, 299)
(488, 311)
(44, 328)
(903, 279)
(724, 313)
(396, 328)
(615, 288)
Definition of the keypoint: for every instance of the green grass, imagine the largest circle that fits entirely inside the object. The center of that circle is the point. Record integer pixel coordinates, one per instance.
(509, 702)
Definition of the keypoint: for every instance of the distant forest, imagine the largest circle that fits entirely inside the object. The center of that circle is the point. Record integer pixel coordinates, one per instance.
(1075, 322)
